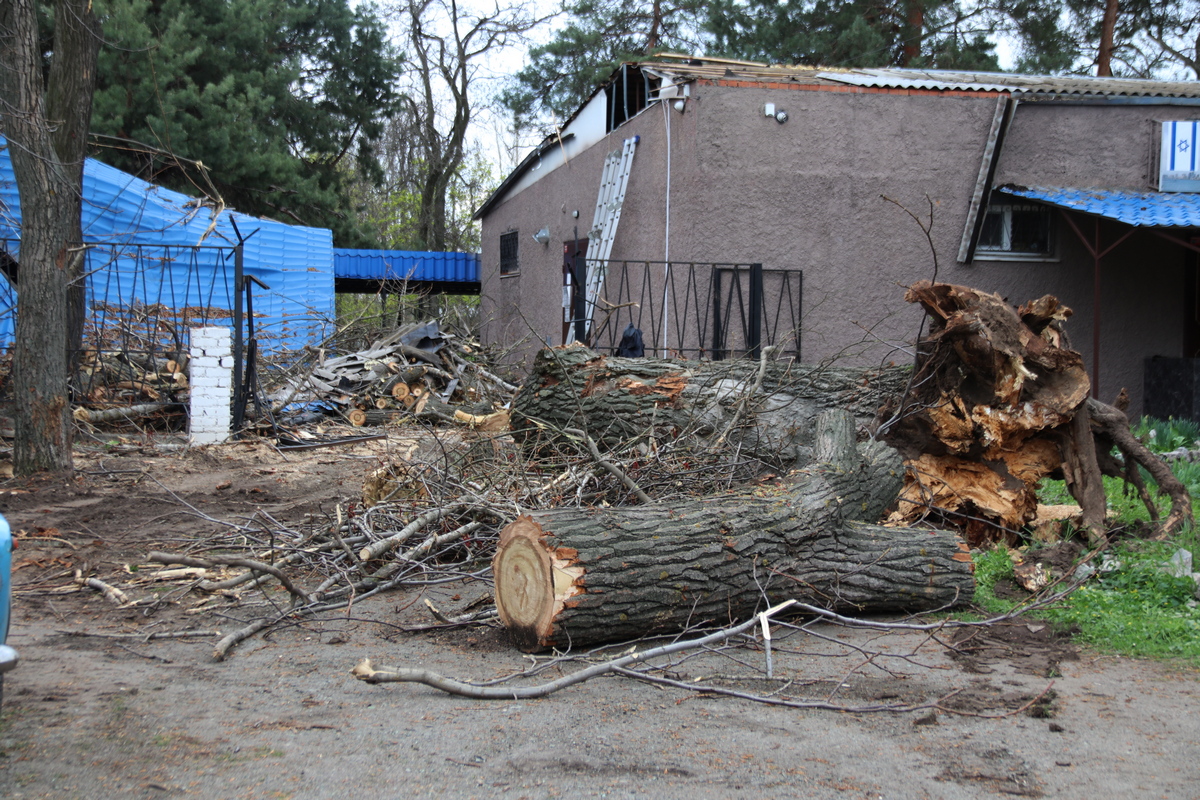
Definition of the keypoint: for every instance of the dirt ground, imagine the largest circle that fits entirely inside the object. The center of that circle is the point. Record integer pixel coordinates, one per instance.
(1023, 713)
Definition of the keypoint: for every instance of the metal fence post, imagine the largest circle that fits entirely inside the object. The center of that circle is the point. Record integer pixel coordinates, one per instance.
(581, 310)
(237, 322)
(718, 340)
(754, 315)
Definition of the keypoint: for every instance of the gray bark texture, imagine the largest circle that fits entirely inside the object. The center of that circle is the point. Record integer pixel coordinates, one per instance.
(574, 577)
(621, 401)
(46, 128)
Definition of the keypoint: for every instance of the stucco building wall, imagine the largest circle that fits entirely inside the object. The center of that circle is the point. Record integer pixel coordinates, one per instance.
(816, 194)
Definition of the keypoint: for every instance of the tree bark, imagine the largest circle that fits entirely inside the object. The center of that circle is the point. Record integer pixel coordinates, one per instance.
(1108, 29)
(46, 130)
(620, 401)
(70, 88)
(572, 577)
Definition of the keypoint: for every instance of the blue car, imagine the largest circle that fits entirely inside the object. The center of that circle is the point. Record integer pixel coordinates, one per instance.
(8, 656)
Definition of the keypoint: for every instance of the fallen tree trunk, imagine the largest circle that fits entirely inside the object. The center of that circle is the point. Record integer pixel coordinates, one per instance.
(570, 577)
(94, 415)
(761, 409)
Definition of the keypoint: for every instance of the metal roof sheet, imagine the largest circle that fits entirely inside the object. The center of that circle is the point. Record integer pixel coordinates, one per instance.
(1019, 84)
(410, 265)
(1139, 209)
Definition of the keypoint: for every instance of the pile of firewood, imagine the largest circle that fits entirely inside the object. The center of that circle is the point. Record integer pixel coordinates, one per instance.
(418, 370)
(114, 385)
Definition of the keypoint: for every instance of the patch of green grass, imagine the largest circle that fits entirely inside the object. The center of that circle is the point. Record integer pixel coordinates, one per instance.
(991, 567)
(1164, 435)
(1135, 609)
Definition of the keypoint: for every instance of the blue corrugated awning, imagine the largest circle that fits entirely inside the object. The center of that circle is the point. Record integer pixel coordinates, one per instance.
(1139, 209)
(458, 269)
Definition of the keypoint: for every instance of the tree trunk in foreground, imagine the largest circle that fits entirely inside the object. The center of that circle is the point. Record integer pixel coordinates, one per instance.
(572, 577)
(46, 128)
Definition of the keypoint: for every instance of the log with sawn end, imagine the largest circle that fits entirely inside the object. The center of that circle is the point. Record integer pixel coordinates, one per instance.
(574, 577)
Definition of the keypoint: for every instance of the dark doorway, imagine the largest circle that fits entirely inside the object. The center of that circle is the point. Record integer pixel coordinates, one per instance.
(574, 312)
(1191, 300)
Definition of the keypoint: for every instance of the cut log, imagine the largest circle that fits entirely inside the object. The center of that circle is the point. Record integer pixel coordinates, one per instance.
(619, 401)
(573, 577)
(94, 415)
(373, 417)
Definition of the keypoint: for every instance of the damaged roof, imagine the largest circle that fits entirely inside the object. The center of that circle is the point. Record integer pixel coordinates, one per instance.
(682, 67)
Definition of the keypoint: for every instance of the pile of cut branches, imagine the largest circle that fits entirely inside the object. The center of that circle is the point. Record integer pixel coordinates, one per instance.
(430, 515)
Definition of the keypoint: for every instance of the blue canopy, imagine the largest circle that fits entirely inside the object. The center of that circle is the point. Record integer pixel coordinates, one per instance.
(1139, 209)
(449, 272)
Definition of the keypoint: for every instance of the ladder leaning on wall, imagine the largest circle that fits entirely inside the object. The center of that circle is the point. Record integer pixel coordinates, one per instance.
(613, 181)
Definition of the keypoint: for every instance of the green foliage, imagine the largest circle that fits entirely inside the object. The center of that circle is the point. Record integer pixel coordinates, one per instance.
(281, 100)
(394, 207)
(1160, 436)
(1153, 38)
(1141, 576)
(1165, 435)
(1132, 605)
(991, 567)
(851, 33)
(598, 36)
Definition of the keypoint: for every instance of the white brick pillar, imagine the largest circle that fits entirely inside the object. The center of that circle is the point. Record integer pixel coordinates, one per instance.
(211, 382)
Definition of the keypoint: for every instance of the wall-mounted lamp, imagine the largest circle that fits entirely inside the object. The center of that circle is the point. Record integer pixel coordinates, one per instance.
(779, 115)
(542, 236)
(680, 105)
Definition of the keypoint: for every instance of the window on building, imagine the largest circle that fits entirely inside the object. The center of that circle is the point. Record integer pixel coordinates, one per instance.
(1017, 229)
(509, 262)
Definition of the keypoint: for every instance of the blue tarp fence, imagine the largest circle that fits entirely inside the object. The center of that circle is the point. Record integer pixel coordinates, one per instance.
(162, 256)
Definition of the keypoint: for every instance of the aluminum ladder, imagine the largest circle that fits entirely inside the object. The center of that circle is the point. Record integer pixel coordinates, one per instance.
(613, 180)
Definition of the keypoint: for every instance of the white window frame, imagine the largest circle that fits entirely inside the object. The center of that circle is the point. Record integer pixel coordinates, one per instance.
(1004, 251)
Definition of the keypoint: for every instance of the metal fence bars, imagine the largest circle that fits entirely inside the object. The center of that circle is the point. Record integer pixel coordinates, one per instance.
(697, 310)
(141, 301)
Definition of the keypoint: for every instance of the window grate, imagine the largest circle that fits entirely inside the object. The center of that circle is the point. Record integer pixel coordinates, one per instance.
(509, 263)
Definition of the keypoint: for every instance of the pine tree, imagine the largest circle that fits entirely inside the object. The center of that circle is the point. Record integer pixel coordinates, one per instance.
(281, 101)
(942, 34)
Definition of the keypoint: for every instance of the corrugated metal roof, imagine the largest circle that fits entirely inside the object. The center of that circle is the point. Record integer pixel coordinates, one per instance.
(122, 210)
(410, 265)
(682, 66)
(1139, 209)
(1021, 84)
